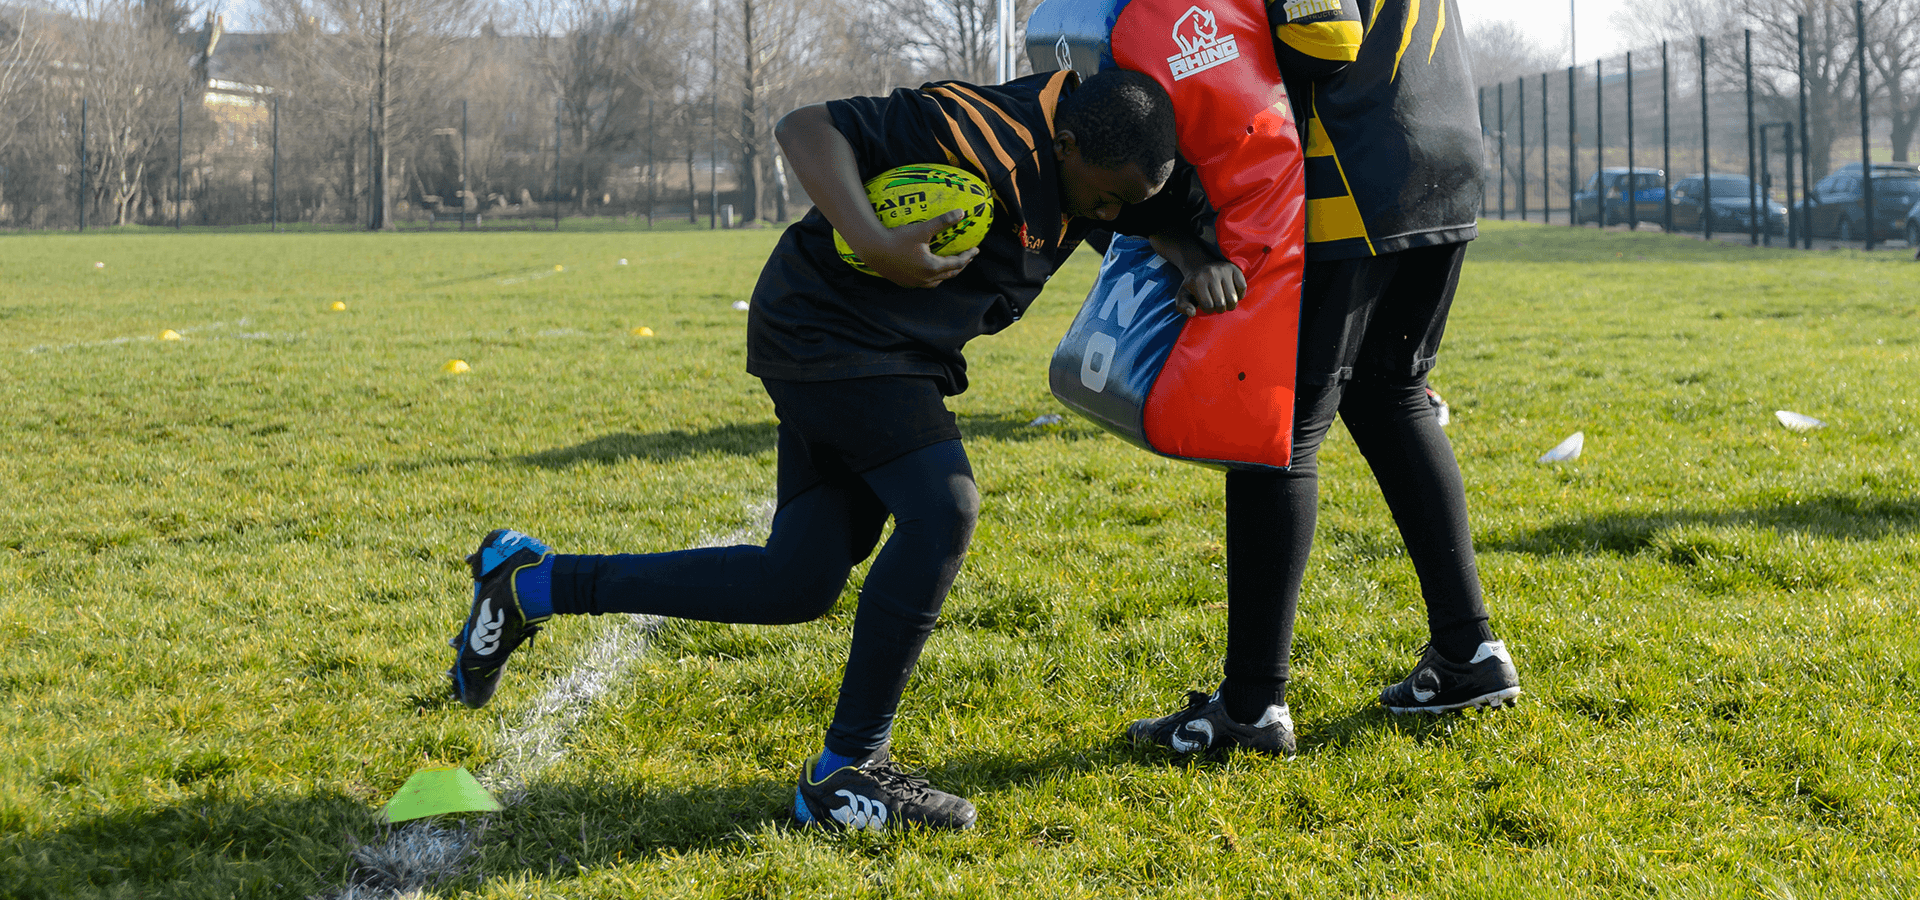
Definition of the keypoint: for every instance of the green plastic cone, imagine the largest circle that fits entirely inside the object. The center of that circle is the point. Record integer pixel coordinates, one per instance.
(433, 792)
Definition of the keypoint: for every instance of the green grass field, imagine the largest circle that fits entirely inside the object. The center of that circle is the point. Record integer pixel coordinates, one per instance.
(229, 564)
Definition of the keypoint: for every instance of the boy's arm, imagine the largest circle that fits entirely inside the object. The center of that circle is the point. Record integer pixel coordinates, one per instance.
(1210, 284)
(824, 163)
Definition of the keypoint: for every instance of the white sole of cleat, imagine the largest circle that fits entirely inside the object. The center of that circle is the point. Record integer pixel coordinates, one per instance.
(1495, 700)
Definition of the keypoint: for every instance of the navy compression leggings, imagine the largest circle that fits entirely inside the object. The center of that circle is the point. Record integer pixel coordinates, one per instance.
(1271, 517)
(818, 536)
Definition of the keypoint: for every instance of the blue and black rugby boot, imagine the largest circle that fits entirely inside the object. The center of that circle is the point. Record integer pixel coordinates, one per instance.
(499, 622)
(1440, 685)
(873, 794)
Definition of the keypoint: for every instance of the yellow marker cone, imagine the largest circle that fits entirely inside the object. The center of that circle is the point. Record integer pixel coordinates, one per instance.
(434, 792)
(559, 268)
(456, 367)
(642, 331)
(339, 306)
(170, 335)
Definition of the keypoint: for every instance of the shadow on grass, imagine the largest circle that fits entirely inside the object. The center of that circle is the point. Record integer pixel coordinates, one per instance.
(753, 438)
(214, 846)
(1833, 516)
(745, 439)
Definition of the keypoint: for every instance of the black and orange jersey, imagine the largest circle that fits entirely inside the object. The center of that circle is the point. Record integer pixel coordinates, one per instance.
(1389, 122)
(814, 318)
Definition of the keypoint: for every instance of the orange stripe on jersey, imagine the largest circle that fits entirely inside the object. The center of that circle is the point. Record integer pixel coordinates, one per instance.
(1050, 95)
(980, 121)
(986, 133)
(981, 103)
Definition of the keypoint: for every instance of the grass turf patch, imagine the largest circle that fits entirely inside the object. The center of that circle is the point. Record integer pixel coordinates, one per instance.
(232, 562)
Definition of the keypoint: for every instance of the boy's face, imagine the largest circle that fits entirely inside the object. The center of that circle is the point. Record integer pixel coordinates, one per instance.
(1097, 192)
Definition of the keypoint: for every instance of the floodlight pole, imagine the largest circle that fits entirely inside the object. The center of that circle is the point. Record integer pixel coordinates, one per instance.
(1866, 149)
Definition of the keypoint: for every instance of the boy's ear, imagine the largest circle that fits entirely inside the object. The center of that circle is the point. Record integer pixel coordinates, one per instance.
(1064, 145)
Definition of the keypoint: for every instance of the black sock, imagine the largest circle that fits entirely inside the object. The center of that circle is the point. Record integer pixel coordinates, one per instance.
(1457, 643)
(1246, 705)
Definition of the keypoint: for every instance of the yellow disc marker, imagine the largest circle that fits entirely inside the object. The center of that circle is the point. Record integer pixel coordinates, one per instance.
(559, 268)
(339, 306)
(456, 367)
(642, 331)
(170, 335)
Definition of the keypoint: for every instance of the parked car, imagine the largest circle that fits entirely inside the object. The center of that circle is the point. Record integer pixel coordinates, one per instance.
(1730, 208)
(1913, 227)
(1839, 202)
(1648, 190)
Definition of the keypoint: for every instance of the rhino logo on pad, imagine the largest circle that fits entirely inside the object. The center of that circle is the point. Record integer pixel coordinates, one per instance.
(1197, 34)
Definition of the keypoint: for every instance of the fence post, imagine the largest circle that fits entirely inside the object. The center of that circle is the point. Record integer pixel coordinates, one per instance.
(179, 162)
(466, 193)
(1786, 131)
(83, 164)
(1666, 144)
(1753, 203)
(1633, 179)
(1500, 114)
(1866, 149)
(1766, 182)
(1480, 110)
(1806, 145)
(273, 191)
(1599, 150)
(650, 171)
(556, 165)
(1546, 162)
(1520, 107)
(1706, 159)
(1573, 149)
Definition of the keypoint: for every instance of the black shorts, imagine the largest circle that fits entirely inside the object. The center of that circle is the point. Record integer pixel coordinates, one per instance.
(1379, 316)
(834, 429)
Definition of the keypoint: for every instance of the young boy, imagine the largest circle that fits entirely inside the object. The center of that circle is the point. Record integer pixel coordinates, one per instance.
(857, 367)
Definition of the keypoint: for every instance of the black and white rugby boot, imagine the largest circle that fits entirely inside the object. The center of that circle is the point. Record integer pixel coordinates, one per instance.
(1440, 685)
(497, 623)
(873, 794)
(1204, 725)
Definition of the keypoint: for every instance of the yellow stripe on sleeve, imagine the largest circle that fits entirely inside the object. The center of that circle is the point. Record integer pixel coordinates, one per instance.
(1338, 41)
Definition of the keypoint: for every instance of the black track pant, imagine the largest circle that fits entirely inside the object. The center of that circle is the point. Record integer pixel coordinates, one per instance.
(829, 520)
(1370, 329)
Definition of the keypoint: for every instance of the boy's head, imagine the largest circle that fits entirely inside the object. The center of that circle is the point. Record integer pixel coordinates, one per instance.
(1114, 139)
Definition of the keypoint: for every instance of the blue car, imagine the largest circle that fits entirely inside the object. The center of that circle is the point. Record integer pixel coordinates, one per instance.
(1609, 200)
(1732, 205)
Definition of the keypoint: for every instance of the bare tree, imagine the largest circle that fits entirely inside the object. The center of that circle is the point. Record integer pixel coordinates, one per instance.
(1831, 84)
(1500, 52)
(1893, 53)
(394, 56)
(129, 64)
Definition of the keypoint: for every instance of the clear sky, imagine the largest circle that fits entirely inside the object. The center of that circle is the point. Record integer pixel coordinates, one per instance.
(1546, 22)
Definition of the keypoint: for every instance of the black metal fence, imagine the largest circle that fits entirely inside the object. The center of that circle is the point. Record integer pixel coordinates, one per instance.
(1752, 134)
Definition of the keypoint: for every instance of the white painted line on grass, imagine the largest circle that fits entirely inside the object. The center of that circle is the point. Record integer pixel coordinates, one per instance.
(419, 853)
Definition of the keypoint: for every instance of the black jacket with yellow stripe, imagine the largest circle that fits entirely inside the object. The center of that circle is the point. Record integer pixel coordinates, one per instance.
(1386, 104)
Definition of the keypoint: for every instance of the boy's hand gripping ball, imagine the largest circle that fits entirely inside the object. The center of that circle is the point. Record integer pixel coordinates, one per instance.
(917, 193)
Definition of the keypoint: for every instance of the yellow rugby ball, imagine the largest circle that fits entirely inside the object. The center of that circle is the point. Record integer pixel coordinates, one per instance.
(916, 193)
